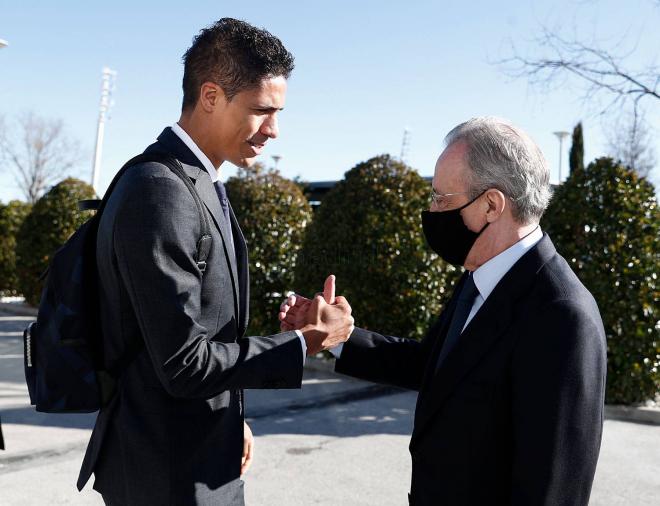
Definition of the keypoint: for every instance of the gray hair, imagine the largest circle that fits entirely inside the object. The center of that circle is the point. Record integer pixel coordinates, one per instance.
(504, 157)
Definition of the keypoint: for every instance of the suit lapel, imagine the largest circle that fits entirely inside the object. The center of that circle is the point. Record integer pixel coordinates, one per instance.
(210, 198)
(171, 144)
(441, 335)
(243, 272)
(481, 334)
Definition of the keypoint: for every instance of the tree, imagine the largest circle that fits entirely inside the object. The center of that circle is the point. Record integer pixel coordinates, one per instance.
(600, 71)
(631, 142)
(273, 214)
(52, 220)
(367, 231)
(38, 151)
(577, 149)
(605, 221)
(12, 216)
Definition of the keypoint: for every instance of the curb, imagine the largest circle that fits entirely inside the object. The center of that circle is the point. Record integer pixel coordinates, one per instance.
(634, 414)
(17, 309)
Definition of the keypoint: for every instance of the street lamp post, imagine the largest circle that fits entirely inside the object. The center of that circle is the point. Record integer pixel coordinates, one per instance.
(561, 135)
(107, 87)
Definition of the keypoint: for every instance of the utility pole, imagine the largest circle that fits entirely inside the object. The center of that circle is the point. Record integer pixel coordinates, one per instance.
(561, 136)
(107, 88)
(405, 144)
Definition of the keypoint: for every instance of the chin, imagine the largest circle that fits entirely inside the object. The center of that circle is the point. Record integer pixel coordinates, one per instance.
(244, 163)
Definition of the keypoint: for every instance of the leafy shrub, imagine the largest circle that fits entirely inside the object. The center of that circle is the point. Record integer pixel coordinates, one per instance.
(11, 218)
(52, 220)
(368, 232)
(605, 221)
(273, 213)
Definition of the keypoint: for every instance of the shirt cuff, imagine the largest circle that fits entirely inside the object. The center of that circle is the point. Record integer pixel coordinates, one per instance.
(303, 344)
(336, 351)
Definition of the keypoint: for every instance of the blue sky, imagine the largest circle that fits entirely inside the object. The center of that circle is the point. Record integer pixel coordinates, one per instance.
(365, 70)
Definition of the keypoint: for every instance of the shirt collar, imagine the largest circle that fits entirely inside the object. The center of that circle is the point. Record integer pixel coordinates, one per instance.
(489, 274)
(187, 140)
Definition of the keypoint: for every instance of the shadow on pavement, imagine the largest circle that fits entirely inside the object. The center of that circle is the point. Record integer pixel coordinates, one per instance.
(28, 416)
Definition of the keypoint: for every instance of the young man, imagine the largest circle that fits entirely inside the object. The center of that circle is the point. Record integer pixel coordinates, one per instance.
(174, 432)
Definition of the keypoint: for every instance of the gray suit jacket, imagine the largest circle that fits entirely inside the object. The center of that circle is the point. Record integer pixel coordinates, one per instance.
(173, 434)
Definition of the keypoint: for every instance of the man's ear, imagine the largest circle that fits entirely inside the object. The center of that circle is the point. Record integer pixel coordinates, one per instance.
(496, 204)
(211, 97)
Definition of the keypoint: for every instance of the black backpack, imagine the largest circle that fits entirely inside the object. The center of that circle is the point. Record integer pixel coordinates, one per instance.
(64, 366)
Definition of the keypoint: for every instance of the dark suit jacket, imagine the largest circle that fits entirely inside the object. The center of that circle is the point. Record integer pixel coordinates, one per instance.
(173, 434)
(514, 415)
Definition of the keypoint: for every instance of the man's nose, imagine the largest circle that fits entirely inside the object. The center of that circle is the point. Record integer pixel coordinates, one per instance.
(270, 127)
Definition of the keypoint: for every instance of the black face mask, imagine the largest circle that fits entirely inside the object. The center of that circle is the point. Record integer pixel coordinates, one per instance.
(447, 234)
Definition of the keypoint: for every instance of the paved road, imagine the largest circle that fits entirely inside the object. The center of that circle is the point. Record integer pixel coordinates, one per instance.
(335, 442)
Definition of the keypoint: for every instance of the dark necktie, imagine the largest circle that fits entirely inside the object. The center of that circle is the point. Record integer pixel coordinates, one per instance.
(461, 312)
(224, 201)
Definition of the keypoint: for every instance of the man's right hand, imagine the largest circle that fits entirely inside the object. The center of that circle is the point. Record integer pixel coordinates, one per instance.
(325, 321)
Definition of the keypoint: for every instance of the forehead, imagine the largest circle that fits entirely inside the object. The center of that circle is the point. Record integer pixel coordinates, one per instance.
(450, 169)
(271, 92)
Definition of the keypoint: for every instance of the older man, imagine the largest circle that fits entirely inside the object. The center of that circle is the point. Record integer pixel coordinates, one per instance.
(511, 377)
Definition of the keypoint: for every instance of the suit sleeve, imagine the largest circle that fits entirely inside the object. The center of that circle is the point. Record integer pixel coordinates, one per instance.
(557, 406)
(385, 359)
(155, 237)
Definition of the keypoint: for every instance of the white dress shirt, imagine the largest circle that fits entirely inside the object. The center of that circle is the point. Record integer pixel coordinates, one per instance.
(489, 274)
(187, 140)
(213, 172)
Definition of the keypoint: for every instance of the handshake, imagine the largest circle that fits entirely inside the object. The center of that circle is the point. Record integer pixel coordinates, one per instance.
(324, 321)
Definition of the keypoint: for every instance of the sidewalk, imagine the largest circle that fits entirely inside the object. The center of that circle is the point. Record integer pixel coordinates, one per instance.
(347, 438)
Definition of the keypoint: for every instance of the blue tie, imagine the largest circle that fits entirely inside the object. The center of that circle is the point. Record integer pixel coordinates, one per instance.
(224, 201)
(463, 307)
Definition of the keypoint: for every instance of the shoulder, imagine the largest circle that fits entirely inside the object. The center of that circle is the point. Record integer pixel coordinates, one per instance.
(150, 195)
(563, 313)
(557, 285)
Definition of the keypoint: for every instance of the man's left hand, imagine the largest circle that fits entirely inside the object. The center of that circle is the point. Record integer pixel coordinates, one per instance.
(248, 449)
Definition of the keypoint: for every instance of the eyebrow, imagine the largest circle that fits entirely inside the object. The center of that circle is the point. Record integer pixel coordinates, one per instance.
(268, 108)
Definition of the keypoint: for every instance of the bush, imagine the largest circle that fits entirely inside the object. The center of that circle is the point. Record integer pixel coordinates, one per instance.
(368, 232)
(273, 213)
(605, 221)
(52, 220)
(11, 218)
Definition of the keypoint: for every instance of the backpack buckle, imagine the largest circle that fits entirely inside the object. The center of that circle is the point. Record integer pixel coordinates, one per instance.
(201, 266)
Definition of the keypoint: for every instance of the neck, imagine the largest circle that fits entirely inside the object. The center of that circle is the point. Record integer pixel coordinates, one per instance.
(493, 242)
(200, 135)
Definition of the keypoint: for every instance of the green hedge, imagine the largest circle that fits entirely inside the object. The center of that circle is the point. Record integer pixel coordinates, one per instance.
(273, 214)
(52, 220)
(605, 221)
(368, 232)
(11, 219)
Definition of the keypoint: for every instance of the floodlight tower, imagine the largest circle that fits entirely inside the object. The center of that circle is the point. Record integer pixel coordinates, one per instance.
(107, 88)
(405, 144)
(561, 136)
(276, 159)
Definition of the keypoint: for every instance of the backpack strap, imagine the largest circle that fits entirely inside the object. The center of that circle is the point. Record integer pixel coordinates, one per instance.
(205, 240)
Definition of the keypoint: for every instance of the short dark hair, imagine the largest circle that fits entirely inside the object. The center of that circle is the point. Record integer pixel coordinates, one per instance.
(234, 55)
